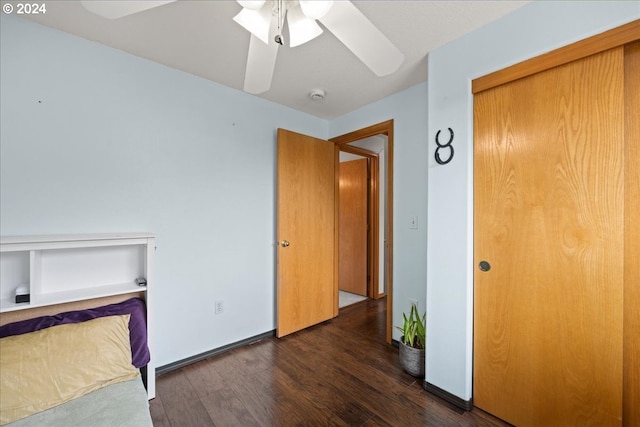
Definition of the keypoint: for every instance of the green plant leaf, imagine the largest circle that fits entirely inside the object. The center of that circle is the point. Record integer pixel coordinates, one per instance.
(414, 328)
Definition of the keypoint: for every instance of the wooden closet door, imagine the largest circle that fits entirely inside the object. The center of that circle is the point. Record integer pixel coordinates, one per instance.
(353, 226)
(549, 218)
(631, 390)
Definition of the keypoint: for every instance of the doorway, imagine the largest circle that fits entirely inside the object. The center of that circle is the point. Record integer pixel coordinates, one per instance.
(354, 229)
(376, 144)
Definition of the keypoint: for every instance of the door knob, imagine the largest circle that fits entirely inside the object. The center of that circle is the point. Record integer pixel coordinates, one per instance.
(284, 243)
(484, 266)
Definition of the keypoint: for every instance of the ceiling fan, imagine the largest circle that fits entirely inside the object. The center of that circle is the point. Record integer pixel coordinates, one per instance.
(264, 19)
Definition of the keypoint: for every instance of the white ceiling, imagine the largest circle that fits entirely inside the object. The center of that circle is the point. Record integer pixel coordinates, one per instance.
(200, 37)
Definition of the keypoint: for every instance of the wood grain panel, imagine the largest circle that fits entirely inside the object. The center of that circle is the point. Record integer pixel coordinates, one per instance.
(548, 185)
(631, 406)
(306, 218)
(375, 255)
(353, 227)
(590, 46)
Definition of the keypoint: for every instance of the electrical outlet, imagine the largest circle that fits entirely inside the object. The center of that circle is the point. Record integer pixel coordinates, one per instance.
(219, 307)
(413, 302)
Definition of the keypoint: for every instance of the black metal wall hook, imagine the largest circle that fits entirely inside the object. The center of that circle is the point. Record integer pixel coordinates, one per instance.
(448, 145)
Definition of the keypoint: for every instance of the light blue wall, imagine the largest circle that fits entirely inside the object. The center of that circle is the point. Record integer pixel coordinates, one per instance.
(535, 29)
(96, 140)
(409, 111)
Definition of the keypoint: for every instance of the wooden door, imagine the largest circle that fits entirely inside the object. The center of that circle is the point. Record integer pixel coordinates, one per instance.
(631, 390)
(549, 218)
(306, 209)
(353, 228)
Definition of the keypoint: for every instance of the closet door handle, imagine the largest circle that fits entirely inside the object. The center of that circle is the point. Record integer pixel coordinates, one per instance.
(484, 266)
(285, 243)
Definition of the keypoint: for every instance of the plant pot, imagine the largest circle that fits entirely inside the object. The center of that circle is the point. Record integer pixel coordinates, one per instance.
(412, 359)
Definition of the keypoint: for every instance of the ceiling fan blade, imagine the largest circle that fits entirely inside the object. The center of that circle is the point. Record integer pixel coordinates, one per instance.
(363, 38)
(261, 61)
(118, 9)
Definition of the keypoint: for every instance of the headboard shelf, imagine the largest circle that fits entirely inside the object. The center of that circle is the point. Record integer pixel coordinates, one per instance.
(64, 268)
(61, 269)
(62, 297)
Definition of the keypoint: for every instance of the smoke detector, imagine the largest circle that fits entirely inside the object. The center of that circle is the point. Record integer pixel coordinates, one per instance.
(317, 95)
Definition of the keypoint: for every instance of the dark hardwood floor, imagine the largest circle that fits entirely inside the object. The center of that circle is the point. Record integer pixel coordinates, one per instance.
(339, 373)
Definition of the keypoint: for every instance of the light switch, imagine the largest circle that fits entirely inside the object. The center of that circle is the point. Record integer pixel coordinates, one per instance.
(413, 222)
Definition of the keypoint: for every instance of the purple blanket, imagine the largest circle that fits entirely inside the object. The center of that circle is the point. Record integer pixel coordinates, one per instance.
(137, 325)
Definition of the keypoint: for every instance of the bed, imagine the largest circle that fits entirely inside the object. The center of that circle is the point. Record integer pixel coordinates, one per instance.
(76, 368)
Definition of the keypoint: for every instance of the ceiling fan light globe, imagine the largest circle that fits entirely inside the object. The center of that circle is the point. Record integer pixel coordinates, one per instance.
(315, 9)
(257, 22)
(301, 28)
(251, 4)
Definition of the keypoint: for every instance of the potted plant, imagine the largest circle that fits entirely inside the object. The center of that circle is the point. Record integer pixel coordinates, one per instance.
(412, 342)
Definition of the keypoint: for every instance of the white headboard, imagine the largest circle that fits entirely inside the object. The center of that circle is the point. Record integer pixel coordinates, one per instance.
(71, 272)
